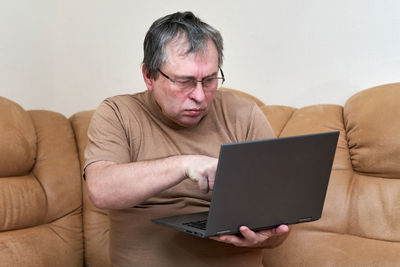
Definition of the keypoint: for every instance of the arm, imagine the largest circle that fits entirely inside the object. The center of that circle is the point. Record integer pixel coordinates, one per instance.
(117, 186)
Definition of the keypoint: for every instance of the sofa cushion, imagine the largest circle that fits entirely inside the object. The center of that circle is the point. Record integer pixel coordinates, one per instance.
(17, 140)
(372, 119)
(40, 189)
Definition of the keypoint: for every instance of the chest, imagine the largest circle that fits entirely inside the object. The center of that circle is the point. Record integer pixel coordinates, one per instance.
(155, 140)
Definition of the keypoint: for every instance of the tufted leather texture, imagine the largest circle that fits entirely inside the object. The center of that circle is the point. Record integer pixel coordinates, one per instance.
(17, 157)
(360, 224)
(40, 189)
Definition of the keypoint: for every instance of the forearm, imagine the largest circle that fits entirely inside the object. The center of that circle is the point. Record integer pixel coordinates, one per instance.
(117, 186)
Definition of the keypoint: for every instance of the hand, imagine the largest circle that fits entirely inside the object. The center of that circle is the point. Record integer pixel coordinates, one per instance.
(263, 239)
(202, 170)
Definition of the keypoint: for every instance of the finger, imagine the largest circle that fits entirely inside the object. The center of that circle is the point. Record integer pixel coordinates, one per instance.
(211, 177)
(247, 233)
(229, 239)
(281, 229)
(203, 184)
(200, 179)
(260, 236)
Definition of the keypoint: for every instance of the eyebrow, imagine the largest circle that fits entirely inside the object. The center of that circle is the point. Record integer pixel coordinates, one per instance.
(194, 78)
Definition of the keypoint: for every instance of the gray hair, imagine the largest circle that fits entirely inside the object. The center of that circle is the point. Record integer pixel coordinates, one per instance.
(165, 29)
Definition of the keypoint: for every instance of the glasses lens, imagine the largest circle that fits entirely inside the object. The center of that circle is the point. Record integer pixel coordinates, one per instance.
(185, 85)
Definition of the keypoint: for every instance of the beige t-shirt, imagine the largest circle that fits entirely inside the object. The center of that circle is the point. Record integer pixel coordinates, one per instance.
(130, 128)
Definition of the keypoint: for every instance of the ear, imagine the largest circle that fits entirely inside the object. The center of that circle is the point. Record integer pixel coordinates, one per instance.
(147, 78)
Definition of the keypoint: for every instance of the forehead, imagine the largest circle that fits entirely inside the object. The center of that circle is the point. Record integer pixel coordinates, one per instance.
(178, 50)
(178, 46)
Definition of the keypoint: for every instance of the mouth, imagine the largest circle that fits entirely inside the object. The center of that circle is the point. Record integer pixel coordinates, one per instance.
(193, 112)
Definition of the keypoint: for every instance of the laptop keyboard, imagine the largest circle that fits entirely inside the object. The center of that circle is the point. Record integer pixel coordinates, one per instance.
(198, 224)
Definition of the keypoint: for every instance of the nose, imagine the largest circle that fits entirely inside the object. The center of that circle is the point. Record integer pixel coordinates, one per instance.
(198, 93)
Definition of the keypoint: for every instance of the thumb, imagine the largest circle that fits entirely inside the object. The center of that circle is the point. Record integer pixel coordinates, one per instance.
(203, 184)
(202, 180)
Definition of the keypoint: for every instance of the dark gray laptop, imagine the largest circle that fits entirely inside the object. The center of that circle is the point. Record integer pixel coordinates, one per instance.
(263, 184)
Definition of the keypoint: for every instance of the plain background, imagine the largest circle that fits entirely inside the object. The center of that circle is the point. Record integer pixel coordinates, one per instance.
(69, 55)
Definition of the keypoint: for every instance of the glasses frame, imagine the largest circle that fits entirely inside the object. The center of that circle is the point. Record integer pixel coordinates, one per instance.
(194, 80)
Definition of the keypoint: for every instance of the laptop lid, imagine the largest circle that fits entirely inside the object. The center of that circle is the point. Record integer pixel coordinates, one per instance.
(263, 184)
(266, 183)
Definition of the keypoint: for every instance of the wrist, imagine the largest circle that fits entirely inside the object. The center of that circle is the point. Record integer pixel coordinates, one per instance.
(181, 163)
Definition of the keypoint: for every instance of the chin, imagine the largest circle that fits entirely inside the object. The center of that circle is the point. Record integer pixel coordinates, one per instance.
(189, 122)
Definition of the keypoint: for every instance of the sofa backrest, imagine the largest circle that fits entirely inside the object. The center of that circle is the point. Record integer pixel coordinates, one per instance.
(360, 221)
(360, 224)
(40, 189)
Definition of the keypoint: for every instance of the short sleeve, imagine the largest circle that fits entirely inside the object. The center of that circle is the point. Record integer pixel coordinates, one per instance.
(107, 138)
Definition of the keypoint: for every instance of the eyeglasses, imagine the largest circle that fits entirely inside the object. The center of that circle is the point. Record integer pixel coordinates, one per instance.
(187, 84)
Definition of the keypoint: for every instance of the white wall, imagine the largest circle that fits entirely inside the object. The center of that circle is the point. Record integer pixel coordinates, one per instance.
(69, 55)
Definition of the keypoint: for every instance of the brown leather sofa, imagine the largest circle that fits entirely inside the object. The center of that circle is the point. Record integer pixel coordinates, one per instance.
(46, 218)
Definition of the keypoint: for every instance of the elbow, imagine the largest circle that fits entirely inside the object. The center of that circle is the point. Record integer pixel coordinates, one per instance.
(104, 199)
(102, 188)
(97, 196)
(95, 189)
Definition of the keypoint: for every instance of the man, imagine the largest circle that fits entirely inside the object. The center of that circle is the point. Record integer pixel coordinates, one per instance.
(155, 153)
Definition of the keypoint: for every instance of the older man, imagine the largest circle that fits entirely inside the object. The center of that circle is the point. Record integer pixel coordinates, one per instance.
(154, 153)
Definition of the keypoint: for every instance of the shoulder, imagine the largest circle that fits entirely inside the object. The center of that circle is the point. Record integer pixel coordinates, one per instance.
(125, 101)
(121, 105)
(118, 110)
(233, 98)
(243, 95)
(244, 114)
(233, 103)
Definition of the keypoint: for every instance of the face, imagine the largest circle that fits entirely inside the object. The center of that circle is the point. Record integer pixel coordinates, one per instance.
(184, 107)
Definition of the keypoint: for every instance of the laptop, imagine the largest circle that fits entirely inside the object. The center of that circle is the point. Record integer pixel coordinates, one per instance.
(263, 184)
